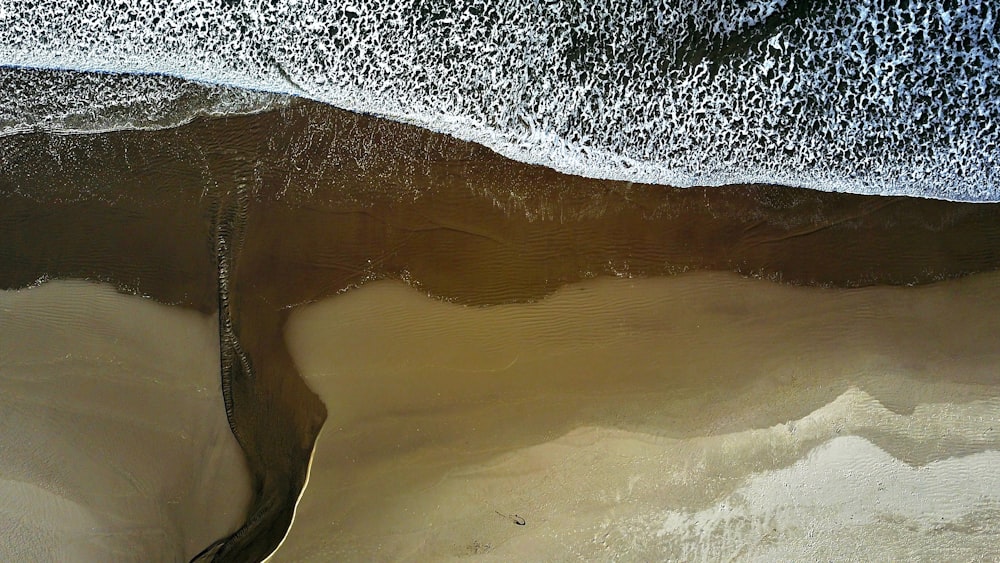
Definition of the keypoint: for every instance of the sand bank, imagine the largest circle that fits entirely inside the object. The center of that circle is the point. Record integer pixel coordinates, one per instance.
(115, 443)
(700, 416)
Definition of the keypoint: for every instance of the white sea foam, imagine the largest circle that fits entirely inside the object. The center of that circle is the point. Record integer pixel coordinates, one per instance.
(850, 96)
(74, 102)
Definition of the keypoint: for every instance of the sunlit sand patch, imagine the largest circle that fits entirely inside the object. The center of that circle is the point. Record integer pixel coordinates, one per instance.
(699, 416)
(115, 440)
(598, 493)
(847, 499)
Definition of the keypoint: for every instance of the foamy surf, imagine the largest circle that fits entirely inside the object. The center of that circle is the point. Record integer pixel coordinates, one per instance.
(115, 445)
(853, 97)
(67, 102)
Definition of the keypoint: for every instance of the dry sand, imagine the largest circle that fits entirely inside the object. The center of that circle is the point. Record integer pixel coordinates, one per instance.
(703, 416)
(115, 442)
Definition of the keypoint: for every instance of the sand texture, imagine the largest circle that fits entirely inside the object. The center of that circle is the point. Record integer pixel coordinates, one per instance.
(116, 446)
(700, 417)
(251, 220)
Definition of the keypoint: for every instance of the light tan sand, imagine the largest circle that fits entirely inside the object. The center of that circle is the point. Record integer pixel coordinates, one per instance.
(115, 442)
(697, 417)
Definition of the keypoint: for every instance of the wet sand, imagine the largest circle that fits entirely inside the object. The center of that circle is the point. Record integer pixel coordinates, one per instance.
(251, 217)
(115, 445)
(704, 416)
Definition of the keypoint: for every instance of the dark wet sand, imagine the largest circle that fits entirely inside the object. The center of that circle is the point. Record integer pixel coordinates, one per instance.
(309, 201)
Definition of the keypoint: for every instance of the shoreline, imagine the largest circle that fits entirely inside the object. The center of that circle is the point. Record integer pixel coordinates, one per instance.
(791, 97)
(308, 202)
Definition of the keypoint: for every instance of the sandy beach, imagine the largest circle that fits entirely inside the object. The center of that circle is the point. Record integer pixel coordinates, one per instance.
(116, 446)
(697, 417)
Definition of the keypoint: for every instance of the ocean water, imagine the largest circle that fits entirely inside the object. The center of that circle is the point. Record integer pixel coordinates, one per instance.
(887, 98)
(272, 215)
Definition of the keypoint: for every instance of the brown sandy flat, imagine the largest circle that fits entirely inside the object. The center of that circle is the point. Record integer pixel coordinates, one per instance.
(703, 416)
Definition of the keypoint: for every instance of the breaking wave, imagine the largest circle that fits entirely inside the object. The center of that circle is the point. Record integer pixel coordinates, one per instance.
(894, 97)
(75, 102)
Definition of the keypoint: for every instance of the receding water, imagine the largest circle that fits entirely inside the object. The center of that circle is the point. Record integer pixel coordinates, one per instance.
(896, 97)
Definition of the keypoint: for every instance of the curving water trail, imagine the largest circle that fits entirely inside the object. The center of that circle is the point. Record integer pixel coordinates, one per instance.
(866, 97)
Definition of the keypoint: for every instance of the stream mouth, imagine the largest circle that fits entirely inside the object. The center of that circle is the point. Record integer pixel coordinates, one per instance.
(342, 253)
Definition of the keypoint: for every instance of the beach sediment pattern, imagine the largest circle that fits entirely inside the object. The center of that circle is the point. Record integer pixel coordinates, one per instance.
(510, 361)
(114, 443)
